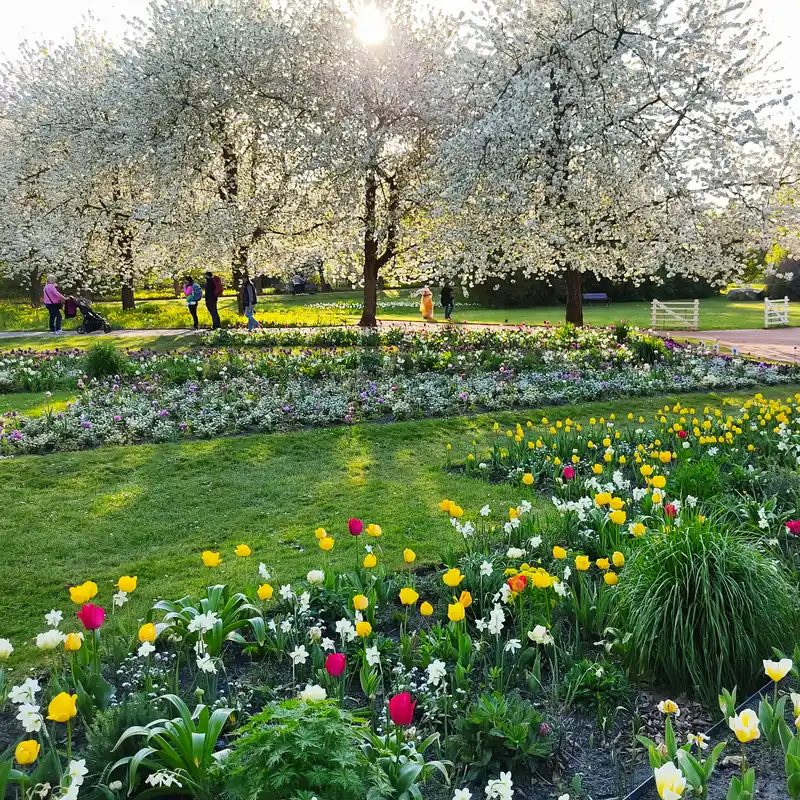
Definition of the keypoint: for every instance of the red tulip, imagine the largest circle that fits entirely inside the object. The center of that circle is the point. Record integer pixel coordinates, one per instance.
(91, 616)
(682, 434)
(335, 664)
(670, 510)
(401, 709)
(568, 473)
(517, 583)
(356, 526)
(793, 526)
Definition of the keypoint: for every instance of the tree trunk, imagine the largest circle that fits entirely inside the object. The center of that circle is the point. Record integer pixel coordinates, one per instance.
(238, 272)
(574, 297)
(128, 299)
(370, 312)
(176, 287)
(324, 286)
(35, 288)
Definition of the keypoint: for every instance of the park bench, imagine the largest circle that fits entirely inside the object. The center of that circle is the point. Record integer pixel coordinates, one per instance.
(600, 297)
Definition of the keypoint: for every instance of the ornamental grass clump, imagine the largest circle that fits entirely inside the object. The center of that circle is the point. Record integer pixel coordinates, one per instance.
(702, 606)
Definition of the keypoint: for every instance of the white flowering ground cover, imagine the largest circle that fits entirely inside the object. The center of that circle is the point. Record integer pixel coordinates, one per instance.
(281, 381)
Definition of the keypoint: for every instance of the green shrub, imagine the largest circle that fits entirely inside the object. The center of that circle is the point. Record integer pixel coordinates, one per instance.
(103, 360)
(649, 349)
(107, 728)
(297, 749)
(700, 479)
(595, 684)
(704, 607)
(500, 733)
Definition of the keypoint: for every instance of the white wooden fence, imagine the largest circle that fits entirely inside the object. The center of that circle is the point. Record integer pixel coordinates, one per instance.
(776, 312)
(679, 314)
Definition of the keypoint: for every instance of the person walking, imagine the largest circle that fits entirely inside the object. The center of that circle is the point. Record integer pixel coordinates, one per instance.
(249, 300)
(426, 304)
(448, 302)
(52, 300)
(213, 292)
(193, 294)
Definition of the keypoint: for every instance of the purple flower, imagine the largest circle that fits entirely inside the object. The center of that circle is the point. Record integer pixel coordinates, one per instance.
(15, 436)
(117, 418)
(86, 424)
(183, 426)
(163, 413)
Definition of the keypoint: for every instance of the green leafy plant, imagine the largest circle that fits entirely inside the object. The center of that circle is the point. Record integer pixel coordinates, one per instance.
(294, 747)
(103, 360)
(703, 605)
(596, 684)
(501, 733)
(402, 764)
(700, 479)
(184, 746)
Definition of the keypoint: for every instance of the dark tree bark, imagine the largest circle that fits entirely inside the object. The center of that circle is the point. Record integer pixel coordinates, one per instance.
(128, 297)
(370, 310)
(239, 271)
(35, 287)
(572, 279)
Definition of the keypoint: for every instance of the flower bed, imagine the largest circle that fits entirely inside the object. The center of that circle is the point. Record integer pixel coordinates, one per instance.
(546, 657)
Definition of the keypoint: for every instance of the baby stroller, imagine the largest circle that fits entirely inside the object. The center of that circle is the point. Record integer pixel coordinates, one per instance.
(92, 321)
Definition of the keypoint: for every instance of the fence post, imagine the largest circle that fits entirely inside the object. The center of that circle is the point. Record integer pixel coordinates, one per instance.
(653, 314)
(766, 312)
(696, 314)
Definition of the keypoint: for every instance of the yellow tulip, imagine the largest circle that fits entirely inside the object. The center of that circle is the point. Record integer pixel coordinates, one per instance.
(456, 511)
(211, 559)
(63, 707)
(513, 513)
(659, 481)
(73, 642)
(243, 551)
(670, 781)
(559, 552)
(409, 556)
(582, 563)
(745, 726)
(611, 578)
(455, 612)
(326, 544)
(602, 498)
(147, 633)
(408, 596)
(618, 517)
(602, 563)
(426, 609)
(542, 579)
(360, 602)
(777, 670)
(527, 479)
(265, 592)
(665, 457)
(646, 470)
(618, 559)
(363, 629)
(83, 593)
(374, 530)
(320, 533)
(370, 561)
(616, 503)
(445, 505)
(597, 469)
(669, 707)
(452, 577)
(127, 583)
(27, 752)
(608, 457)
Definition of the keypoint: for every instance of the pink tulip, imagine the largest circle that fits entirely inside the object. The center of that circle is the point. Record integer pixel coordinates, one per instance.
(793, 526)
(568, 473)
(91, 616)
(356, 526)
(335, 664)
(670, 510)
(401, 709)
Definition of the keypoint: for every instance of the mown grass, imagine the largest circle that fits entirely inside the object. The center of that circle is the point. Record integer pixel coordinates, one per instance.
(716, 313)
(150, 510)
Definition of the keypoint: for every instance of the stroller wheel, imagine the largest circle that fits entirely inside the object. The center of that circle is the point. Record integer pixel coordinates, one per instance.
(81, 329)
(106, 328)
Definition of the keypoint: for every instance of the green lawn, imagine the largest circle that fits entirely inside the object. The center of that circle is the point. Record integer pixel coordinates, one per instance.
(715, 313)
(150, 510)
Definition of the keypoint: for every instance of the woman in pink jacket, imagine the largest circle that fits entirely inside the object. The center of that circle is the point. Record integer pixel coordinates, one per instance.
(53, 299)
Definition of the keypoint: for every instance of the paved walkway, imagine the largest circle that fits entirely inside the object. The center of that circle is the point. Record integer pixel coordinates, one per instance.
(773, 344)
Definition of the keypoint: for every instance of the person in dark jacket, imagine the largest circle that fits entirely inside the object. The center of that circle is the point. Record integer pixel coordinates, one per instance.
(448, 301)
(211, 299)
(249, 299)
